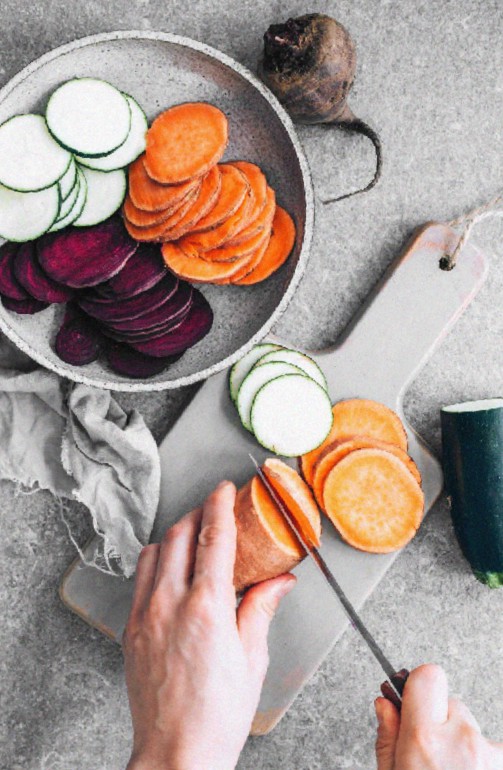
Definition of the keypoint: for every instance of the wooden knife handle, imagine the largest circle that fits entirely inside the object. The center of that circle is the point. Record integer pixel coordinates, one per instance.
(398, 680)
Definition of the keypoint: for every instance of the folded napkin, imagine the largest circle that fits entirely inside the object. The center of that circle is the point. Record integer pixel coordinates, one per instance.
(77, 442)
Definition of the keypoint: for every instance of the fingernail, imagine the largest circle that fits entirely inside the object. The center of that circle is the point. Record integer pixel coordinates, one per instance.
(284, 587)
(223, 484)
(378, 710)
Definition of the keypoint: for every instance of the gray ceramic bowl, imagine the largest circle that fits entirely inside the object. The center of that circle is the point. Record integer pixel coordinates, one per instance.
(159, 70)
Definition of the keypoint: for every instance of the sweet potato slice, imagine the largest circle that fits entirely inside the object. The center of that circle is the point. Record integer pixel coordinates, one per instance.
(185, 141)
(258, 184)
(278, 251)
(260, 223)
(358, 417)
(233, 187)
(154, 197)
(140, 218)
(373, 501)
(250, 265)
(335, 452)
(228, 253)
(155, 233)
(296, 496)
(212, 239)
(266, 546)
(196, 269)
(202, 205)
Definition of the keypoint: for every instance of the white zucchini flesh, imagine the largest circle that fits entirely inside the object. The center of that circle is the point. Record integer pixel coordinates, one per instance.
(68, 180)
(127, 152)
(69, 202)
(89, 116)
(291, 415)
(244, 365)
(30, 158)
(76, 210)
(252, 383)
(297, 359)
(105, 193)
(26, 216)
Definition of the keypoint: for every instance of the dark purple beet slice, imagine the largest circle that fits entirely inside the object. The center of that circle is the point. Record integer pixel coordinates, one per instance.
(79, 340)
(168, 312)
(142, 271)
(129, 363)
(194, 327)
(86, 257)
(147, 334)
(108, 310)
(32, 278)
(9, 285)
(28, 306)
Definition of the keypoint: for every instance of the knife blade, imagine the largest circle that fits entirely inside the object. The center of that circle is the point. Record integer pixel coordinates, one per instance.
(396, 678)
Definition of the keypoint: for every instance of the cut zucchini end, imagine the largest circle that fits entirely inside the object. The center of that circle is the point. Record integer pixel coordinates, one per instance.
(482, 405)
(490, 579)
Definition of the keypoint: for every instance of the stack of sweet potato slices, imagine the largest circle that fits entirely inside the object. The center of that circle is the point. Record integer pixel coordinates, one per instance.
(218, 222)
(363, 478)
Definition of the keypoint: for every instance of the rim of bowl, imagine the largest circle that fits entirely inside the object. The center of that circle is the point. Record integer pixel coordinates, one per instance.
(132, 386)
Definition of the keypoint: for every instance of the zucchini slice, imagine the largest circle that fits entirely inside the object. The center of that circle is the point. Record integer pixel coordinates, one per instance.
(300, 360)
(243, 366)
(89, 116)
(26, 216)
(472, 448)
(105, 193)
(252, 383)
(127, 152)
(68, 180)
(291, 415)
(69, 202)
(76, 210)
(30, 159)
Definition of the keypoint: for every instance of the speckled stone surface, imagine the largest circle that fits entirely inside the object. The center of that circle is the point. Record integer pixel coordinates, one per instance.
(431, 81)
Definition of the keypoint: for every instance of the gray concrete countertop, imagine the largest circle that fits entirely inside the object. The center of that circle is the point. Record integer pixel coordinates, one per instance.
(430, 79)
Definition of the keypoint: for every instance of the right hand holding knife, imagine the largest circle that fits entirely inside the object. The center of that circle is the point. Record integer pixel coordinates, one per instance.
(433, 731)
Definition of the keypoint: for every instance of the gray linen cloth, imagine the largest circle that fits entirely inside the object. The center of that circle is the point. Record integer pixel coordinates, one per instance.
(77, 442)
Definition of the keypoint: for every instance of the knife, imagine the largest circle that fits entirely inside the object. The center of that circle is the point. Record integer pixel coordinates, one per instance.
(392, 688)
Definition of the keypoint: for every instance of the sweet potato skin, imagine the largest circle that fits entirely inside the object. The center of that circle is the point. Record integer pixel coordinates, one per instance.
(257, 556)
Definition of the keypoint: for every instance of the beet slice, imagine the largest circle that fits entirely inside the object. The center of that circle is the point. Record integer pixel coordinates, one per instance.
(146, 334)
(9, 285)
(108, 310)
(129, 363)
(142, 271)
(28, 306)
(168, 313)
(193, 328)
(79, 340)
(86, 257)
(32, 278)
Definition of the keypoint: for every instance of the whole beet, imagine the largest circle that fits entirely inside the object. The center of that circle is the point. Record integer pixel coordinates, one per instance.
(309, 63)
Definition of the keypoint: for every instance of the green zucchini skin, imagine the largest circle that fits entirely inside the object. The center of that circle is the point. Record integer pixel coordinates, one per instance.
(472, 448)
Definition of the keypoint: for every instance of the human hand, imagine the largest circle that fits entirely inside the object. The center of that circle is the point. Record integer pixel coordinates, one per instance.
(194, 665)
(433, 732)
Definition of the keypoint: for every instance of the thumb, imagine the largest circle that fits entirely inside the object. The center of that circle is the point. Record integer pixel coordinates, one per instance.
(255, 614)
(387, 733)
